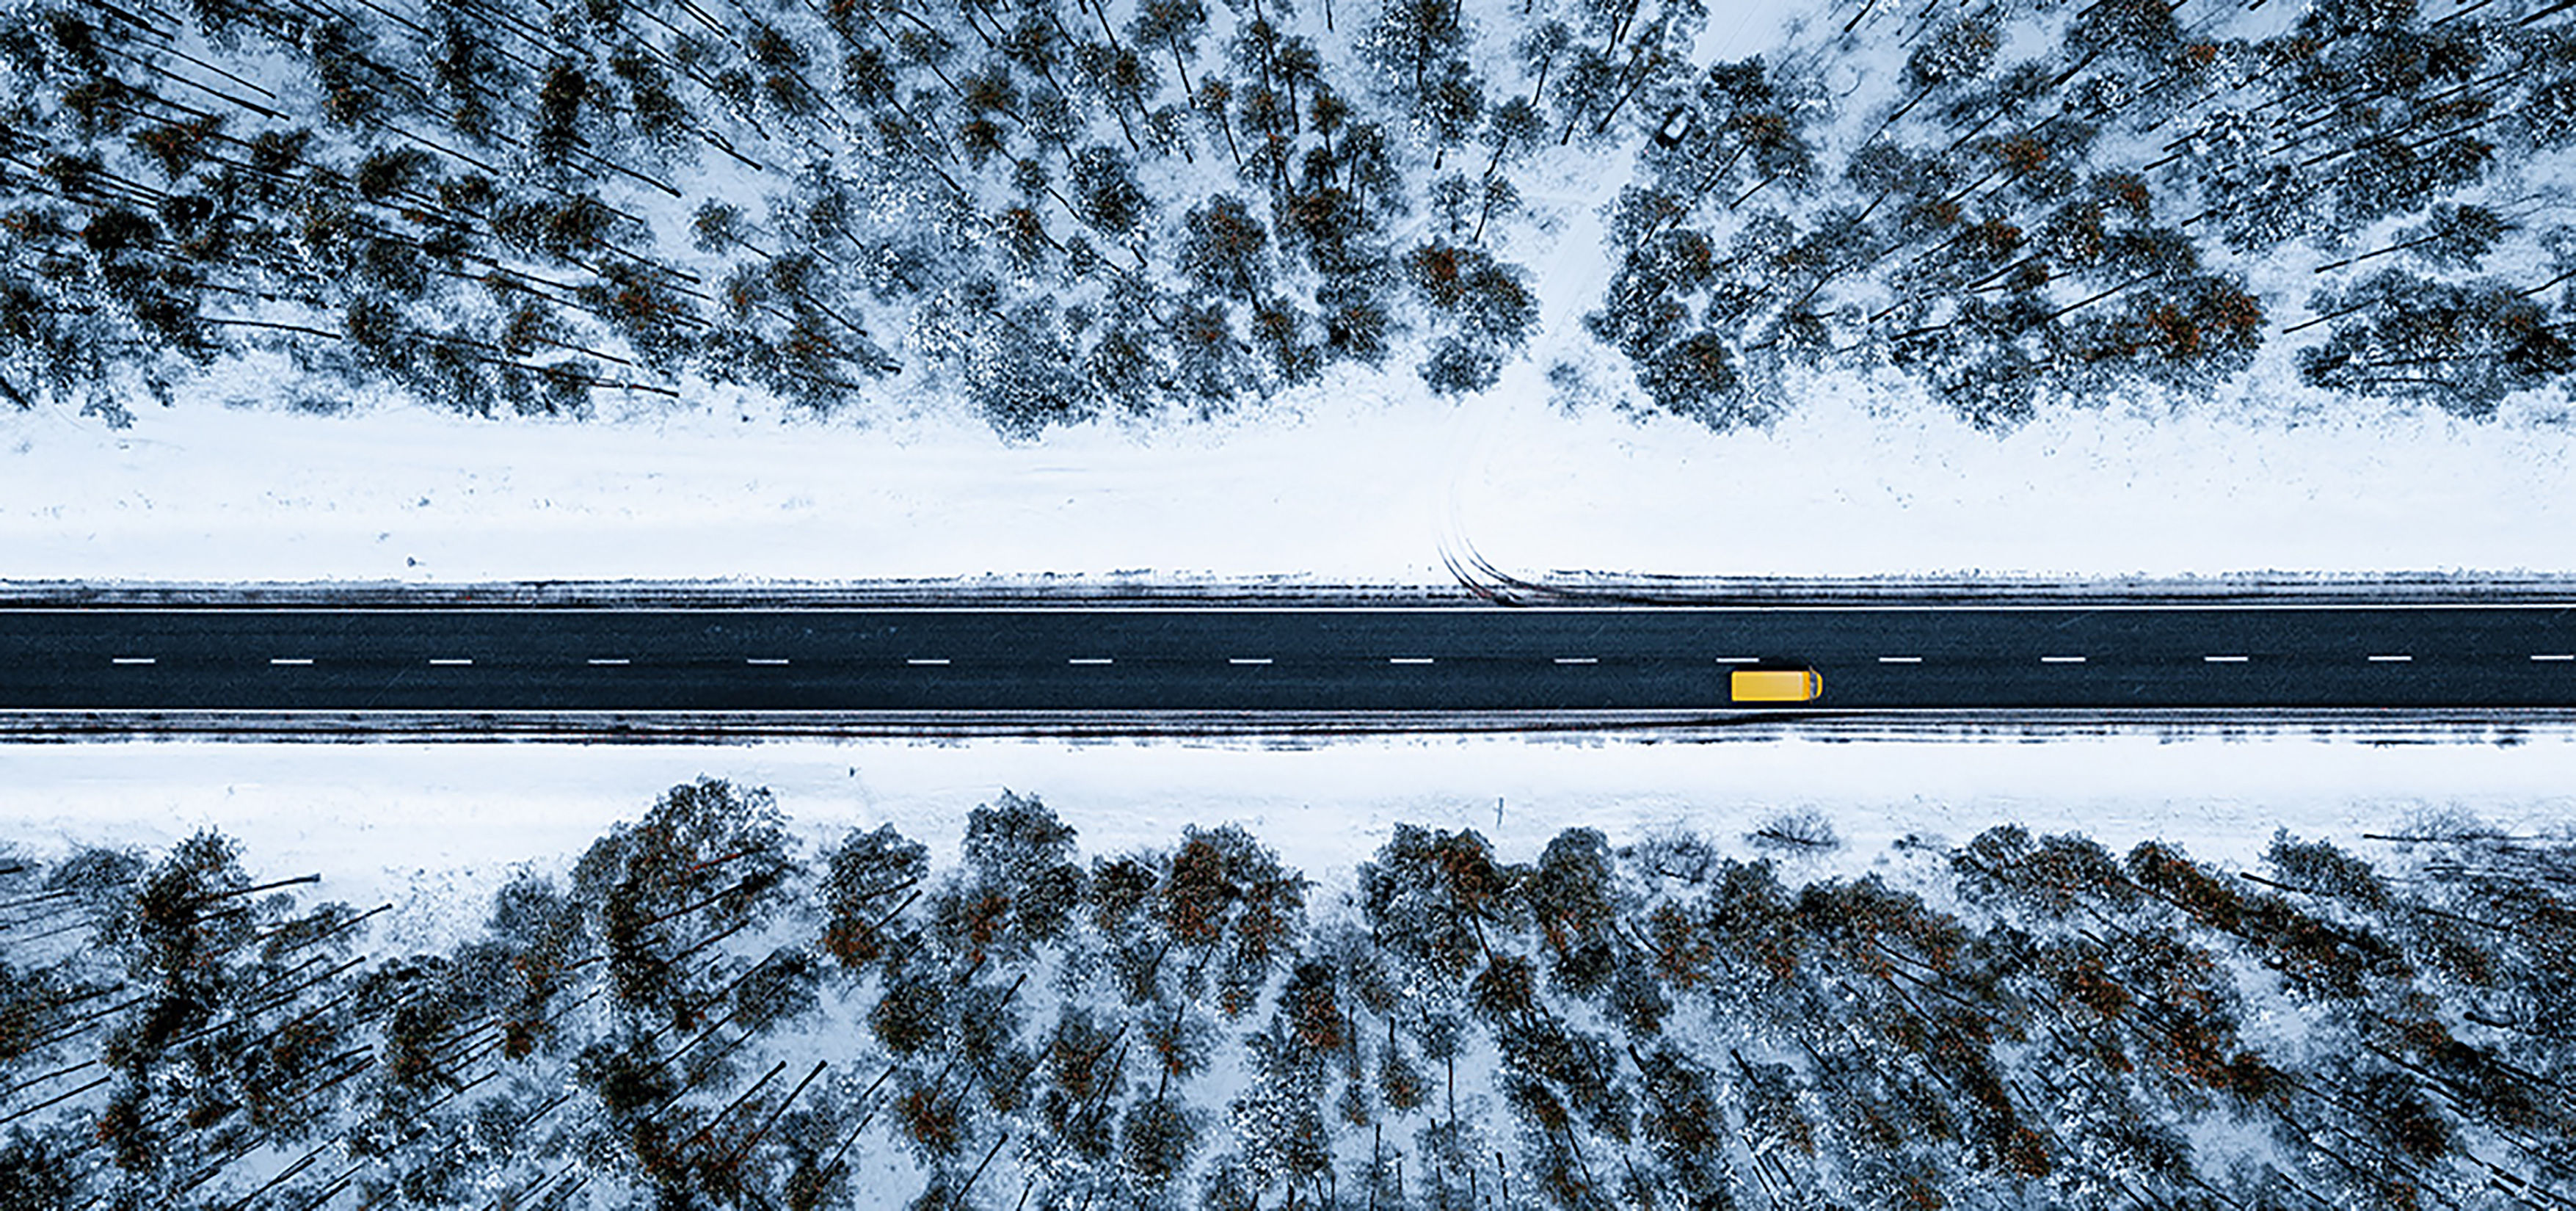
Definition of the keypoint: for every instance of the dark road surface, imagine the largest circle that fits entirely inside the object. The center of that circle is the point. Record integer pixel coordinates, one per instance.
(1269, 659)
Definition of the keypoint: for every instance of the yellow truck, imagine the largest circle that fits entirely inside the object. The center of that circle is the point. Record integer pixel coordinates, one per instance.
(1776, 685)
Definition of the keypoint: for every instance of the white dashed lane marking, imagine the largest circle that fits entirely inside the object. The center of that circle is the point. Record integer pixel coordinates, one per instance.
(1900, 660)
(1739, 660)
(768, 660)
(449, 660)
(1408, 660)
(2061, 660)
(1089, 660)
(607, 660)
(2224, 659)
(2557, 656)
(1578, 660)
(926, 661)
(1247, 660)
(129, 660)
(2390, 659)
(290, 660)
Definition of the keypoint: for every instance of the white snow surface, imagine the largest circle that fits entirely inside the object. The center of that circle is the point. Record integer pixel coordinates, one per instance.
(1360, 482)
(436, 829)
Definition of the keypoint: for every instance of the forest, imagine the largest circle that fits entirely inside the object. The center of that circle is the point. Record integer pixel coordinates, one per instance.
(1049, 213)
(696, 1012)
(2075, 203)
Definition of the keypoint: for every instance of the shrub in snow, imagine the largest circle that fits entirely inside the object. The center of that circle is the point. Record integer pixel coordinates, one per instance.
(1798, 832)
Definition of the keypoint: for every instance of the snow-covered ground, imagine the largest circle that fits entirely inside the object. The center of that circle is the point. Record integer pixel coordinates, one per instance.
(1361, 478)
(1362, 482)
(438, 827)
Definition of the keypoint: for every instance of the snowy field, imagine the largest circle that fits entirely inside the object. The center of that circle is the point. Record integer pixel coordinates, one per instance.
(439, 827)
(1361, 485)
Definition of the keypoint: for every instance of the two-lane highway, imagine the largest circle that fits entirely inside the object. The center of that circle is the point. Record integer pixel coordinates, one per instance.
(1324, 659)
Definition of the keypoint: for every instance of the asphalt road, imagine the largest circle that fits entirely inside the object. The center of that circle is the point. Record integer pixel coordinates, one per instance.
(1267, 659)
